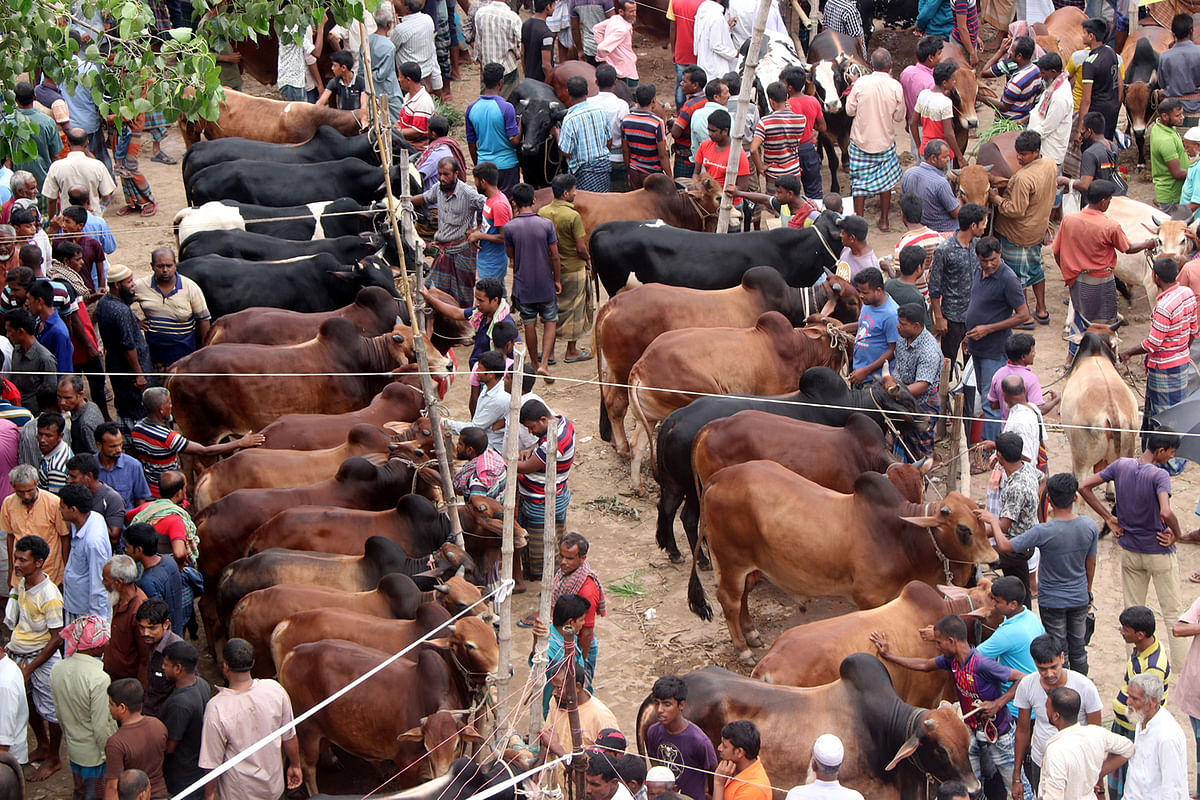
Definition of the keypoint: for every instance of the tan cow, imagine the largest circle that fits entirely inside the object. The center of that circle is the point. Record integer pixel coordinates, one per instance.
(266, 120)
(1096, 398)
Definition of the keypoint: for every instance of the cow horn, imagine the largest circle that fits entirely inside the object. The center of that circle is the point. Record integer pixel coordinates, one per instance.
(442, 588)
(887, 372)
(450, 628)
(397, 338)
(1153, 230)
(931, 724)
(461, 571)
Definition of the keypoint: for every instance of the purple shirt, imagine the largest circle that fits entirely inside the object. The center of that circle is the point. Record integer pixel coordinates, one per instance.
(686, 754)
(1138, 486)
(913, 79)
(530, 237)
(10, 436)
(980, 678)
(1033, 387)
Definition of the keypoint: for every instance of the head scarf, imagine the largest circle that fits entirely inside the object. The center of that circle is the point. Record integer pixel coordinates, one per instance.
(86, 633)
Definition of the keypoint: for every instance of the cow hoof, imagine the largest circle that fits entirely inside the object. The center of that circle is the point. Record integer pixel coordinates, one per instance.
(747, 657)
(753, 639)
(1140, 168)
(640, 491)
(676, 558)
(705, 565)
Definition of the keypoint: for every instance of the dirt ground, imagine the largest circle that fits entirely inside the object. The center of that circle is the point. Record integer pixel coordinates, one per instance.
(649, 630)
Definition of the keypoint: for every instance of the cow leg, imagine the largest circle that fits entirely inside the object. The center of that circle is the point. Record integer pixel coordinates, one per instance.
(616, 403)
(690, 516)
(831, 156)
(635, 464)
(731, 594)
(752, 637)
(311, 744)
(671, 494)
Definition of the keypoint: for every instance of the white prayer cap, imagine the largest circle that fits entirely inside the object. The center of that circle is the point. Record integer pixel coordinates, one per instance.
(827, 750)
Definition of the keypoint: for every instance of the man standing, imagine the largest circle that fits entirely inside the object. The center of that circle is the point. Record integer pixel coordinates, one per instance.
(692, 86)
(384, 66)
(79, 685)
(126, 354)
(239, 716)
(531, 480)
(919, 367)
(576, 306)
(827, 755)
(1168, 157)
(160, 576)
(498, 41)
(183, 714)
(927, 180)
(1098, 160)
(950, 274)
(712, 40)
(492, 261)
(1015, 507)
(45, 134)
(1052, 114)
(876, 102)
(1078, 757)
(77, 168)
(1021, 214)
(614, 41)
(492, 130)
(52, 331)
(716, 98)
(118, 469)
(643, 139)
(575, 576)
(176, 313)
(54, 452)
(1158, 768)
(154, 626)
(453, 268)
(1179, 67)
(681, 17)
(615, 109)
(1103, 90)
(712, 157)
(740, 774)
(491, 408)
(85, 470)
(125, 655)
(1187, 699)
(139, 743)
(584, 137)
(532, 244)
(917, 77)
(413, 36)
(585, 15)
(875, 341)
(844, 17)
(85, 415)
(537, 41)
(14, 711)
(775, 150)
(676, 741)
(83, 580)
(1148, 657)
(29, 511)
(33, 366)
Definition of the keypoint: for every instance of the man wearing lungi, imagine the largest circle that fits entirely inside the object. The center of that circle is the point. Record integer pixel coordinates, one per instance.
(876, 101)
(459, 207)
(576, 307)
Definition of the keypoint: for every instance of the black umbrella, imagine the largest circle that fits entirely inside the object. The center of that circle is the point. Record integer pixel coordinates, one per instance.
(1183, 418)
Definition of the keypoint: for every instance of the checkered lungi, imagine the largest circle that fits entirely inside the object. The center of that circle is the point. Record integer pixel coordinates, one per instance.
(873, 173)
(453, 271)
(1164, 388)
(1025, 261)
(920, 445)
(39, 683)
(593, 176)
(156, 125)
(1073, 160)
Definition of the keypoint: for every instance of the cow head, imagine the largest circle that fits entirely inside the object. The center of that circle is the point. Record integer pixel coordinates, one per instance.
(704, 193)
(371, 271)
(440, 737)
(473, 642)
(909, 478)
(1137, 104)
(1098, 340)
(484, 517)
(538, 118)
(964, 98)
(450, 560)
(828, 78)
(458, 594)
(974, 181)
(418, 434)
(940, 744)
(897, 403)
(957, 532)
(1170, 239)
(400, 347)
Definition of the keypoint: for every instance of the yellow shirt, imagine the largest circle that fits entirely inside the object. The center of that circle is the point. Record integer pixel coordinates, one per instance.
(44, 519)
(594, 717)
(38, 611)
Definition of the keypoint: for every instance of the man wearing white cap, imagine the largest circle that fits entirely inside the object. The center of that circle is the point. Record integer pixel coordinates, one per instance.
(1190, 194)
(659, 780)
(127, 358)
(827, 755)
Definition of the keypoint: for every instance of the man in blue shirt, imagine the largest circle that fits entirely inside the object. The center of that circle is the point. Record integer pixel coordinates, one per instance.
(52, 333)
(95, 226)
(1009, 645)
(875, 342)
(492, 130)
(118, 469)
(83, 584)
(84, 112)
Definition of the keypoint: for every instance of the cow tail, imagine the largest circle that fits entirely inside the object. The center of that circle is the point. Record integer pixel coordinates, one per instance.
(606, 433)
(643, 721)
(697, 600)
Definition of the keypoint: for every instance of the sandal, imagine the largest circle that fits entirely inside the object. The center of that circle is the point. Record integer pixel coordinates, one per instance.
(584, 355)
(149, 210)
(163, 158)
(1043, 319)
(527, 622)
(127, 210)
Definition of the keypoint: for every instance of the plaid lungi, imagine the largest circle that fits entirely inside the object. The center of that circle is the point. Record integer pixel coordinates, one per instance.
(1025, 261)
(162, 16)
(453, 271)
(1072, 162)
(920, 445)
(1164, 388)
(873, 173)
(156, 125)
(576, 309)
(594, 176)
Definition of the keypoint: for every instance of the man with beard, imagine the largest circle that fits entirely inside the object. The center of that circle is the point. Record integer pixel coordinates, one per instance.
(124, 347)
(125, 655)
(9, 254)
(154, 625)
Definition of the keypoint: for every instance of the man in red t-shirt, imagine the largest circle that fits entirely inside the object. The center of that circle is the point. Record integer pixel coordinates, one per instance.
(682, 17)
(574, 576)
(807, 104)
(713, 156)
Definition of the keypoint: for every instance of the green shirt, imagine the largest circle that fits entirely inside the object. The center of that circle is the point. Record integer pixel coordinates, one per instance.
(79, 686)
(1165, 145)
(231, 74)
(903, 293)
(49, 144)
(568, 226)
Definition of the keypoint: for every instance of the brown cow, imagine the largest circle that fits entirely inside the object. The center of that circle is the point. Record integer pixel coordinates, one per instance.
(766, 359)
(810, 654)
(965, 96)
(1139, 58)
(694, 208)
(760, 517)
(267, 120)
(269, 469)
(632, 319)
(238, 388)
(1064, 31)
(398, 402)
(411, 713)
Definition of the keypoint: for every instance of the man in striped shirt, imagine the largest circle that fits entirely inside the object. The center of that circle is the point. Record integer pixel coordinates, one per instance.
(531, 481)
(692, 85)
(776, 145)
(644, 139)
(1024, 79)
(966, 28)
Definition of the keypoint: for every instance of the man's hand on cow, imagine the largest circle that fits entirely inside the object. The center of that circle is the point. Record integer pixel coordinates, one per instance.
(294, 776)
(986, 517)
(859, 375)
(927, 634)
(880, 641)
(724, 771)
(252, 440)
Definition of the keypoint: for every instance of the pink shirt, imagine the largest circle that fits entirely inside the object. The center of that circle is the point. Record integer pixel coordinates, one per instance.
(1186, 693)
(614, 45)
(913, 80)
(1189, 276)
(10, 436)
(1033, 387)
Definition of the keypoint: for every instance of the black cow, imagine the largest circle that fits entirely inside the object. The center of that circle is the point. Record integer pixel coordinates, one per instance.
(327, 144)
(539, 110)
(268, 183)
(653, 252)
(312, 283)
(821, 385)
(260, 247)
(324, 220)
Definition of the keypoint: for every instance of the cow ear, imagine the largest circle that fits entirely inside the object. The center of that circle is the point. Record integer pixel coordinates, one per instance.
(345, 275)
(906, 750)
(469, 734)
(921, 522)
(411, 735)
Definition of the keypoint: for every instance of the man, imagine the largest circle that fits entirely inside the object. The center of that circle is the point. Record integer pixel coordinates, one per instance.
(776, 145)
(827, 755)
(79, 686)
(569, 610)
(677, 742)
(1158, 768)
(498, 41)
(659, 780)
(575, 576)
(35, 644)
(537, 42)
(1145, 526)
(33, 366)
(54, 452)
(740, 774)
(453, 268)
(491, 409)
(45, 134)
(1179, 67)
(1098, 159)
(489, 310)
(844, 17)
(978, 682)
(491, 262)
(176, 313)
(125, 655)
(492, 130)
(1186, 699)
(919, 367)
(1021, 214)
(183, 715)
(159, 576)
(712, 40)
(907, 287)
(139, 743)
(24, 186)
(1168, 159)
(1014, 509)
(154, 626)
(594, 715)
(239, 716)
(532, 245)
(158, 445)
(917, 77)
(1086, 248)
(83, 579)
(583, 138)
(875, 340)
(1189, 195)
(1009, 644)
(85, 415)
(615, 109)
(71, 223)
(1173, 327)
(531, 480)
(95, 226)
(1103, 90)
(1077, 757)
(692, 84)
(118, 469)
(441, 145)
(77, 168)
(413, 35)
(1034, 729)
(485, 470)
(950, 274)
(681, 18)
(133, 785)
(173, 524)
(576, 306)
(716, 95)
(1148, 657)
(384, 66)
(712, 157)
(29, 511)
(603, 781)
(1068, 545)
(788, 192)
(585, 15)
(291, 76)
(614, 41)
(415, 108)
(52, 332)
(876, 102)
(127, 355)
(1052, 114)
(14, 711)
(927, 180)
(1023, 78)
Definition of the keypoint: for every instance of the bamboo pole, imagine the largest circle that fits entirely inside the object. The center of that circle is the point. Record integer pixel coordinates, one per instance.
(570, 704)
(745, 96)
(376, 106)
(545, 609)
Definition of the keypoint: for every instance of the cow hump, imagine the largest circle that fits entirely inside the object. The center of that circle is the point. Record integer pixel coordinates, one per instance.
(765, 280)
(776, 326)
(338, 331)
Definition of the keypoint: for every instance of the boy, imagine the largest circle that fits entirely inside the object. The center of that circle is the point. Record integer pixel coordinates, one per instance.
(906, 288)
(345, 89)
(491, 261)
(856, 254)
(532, 244)
(676, 742)
(1020, 352)
(875, 341)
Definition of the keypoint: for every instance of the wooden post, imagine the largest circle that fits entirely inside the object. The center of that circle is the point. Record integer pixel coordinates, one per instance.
(745, 96)
(570, 704)
(954, 405)
(545, 609)
(405, 208)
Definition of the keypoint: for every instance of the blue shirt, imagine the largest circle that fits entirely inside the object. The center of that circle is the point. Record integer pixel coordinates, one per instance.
(993, 299)
(162, 580)
(584, 134)
(930, 184)
(490, 122)
(876, 330)
(98, 229)
(5, 176)
(1009, 645)
(83, 587)
(54, 337)
(935, 18)
(1066, 546)
(84, 113)
(128, 478)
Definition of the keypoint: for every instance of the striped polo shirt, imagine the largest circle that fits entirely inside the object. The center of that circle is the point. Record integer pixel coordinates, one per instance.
(683, 144)
(1154, 659)
(157, 447)
(532, 485)
(171, 316)
(967, 9)
(643, 130)
(1022, 90)
(781, 133)
(1172, 325)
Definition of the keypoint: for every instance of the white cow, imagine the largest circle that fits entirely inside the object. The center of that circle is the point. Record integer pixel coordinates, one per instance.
(1096, 398)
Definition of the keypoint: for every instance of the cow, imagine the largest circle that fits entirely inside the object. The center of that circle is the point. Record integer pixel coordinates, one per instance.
(411, 714)
(267, 183)
(965, 94)
(266, 120)
(1099, 410)
(680, 365)
(889, 743)
(823, 398)
(1064, 32)
(321, 220)
(810, 654)
(748, 516)
(373, 311)
(326, 144)
(630, 321)
(397, 402)
(306, 283)
(693, 208)
(558, 77)
(464, 780)
(652, 252)
(1140, 56)
(336, 372)
(1138, 218)
(539, 111)
(834, 60)
(260, 247)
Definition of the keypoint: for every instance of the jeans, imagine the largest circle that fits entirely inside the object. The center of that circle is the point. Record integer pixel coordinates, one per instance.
(988, 757)
(293, 94)
(679, 95)
(810, 170)
(1196, 735)
(985, 368)
(1069, 626)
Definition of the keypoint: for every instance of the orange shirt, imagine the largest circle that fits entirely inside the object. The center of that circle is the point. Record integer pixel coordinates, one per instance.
(1088, 241)
(749, 784)
(44, 519)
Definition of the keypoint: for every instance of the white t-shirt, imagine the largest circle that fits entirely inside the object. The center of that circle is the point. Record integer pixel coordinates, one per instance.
(934, 105)
(823, 790)
(1031, 695)
(1026, 421)
(14, 711)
